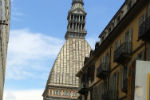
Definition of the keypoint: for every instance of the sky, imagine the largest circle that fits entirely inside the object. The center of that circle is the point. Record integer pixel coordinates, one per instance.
(37, 33)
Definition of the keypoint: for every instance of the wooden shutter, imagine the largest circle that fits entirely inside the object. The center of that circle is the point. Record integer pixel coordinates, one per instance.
(111, 86)
(124, 78)
(148, 11)
(100, 91)
(115, 89)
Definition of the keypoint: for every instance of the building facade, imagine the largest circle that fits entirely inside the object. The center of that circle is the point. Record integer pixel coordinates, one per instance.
(4, 37)
(62, 83)
(109, 73)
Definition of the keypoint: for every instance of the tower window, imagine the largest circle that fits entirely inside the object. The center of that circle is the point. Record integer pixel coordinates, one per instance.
(80, 17)
(71, 25)
(71, 16)
(83, 17)
(66, 93)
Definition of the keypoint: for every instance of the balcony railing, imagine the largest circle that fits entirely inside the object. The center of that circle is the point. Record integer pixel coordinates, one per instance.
(83, 88)
(144, 30)
(106, 96)
(103, 70)
(123, 53)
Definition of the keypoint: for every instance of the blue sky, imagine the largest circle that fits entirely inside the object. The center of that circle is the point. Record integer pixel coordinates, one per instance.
(36, 36)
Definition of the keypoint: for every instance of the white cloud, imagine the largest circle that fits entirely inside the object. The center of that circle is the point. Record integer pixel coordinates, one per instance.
(23, 95)
(27, 51)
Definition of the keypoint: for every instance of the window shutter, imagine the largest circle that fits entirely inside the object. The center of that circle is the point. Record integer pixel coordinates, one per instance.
(121, 77)
(142, 53)
(115, 96)
(148, 11)
(124, 78)
(118, 44)
(130, 35)
(104, 59)
(142, 18)
(115, 46)
(111, 86)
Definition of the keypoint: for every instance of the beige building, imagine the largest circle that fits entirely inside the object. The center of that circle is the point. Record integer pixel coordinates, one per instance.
(4, 37)
(62, 83)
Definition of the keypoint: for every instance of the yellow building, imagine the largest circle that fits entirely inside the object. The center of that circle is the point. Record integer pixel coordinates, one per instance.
(109, 72)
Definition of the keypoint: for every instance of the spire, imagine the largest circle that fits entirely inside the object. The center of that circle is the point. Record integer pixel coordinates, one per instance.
(77, 1)
(76, 20)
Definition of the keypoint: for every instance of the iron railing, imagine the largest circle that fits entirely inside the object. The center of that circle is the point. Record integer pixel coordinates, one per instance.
(144, 30)
(123, 52)
(83, 88)
(103, 70)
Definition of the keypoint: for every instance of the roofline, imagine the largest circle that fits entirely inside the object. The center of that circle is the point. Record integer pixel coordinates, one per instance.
(112, 18)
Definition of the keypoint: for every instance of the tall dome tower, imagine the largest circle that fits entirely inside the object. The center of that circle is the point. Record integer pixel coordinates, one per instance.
(62, 83)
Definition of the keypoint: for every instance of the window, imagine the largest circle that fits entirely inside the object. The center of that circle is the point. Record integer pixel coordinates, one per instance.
(108, 57)
(93, 73)
(124, 78)
(75, 94)
(128, 36)
(117, 45)
(140, 56)
(142, 19)
(84, 79)
(50, 91)
(113, 86)
(90, 73)
(57, 92)
(66, 93)
(71, 16)
(148, 11)
(106, 60)
(97, 92)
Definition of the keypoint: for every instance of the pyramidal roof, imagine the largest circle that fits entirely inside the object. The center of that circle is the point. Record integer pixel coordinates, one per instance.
(71, 56)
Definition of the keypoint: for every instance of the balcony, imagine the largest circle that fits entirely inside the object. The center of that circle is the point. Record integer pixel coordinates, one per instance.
(123, 52)
(144, 30)
(83, 88)
(103, 70)
(106, 96)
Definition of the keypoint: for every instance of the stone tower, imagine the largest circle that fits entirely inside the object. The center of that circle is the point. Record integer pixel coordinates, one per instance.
(62, 83)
